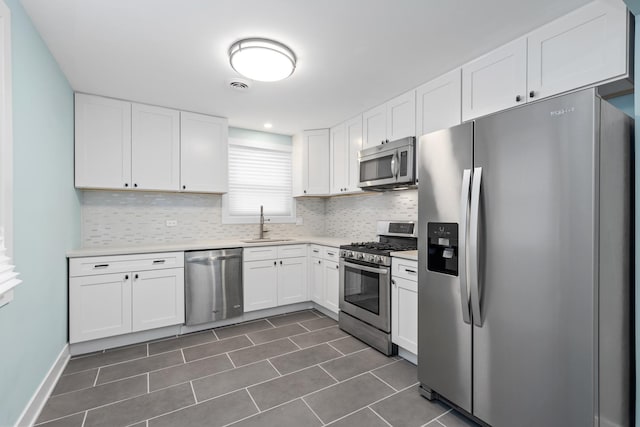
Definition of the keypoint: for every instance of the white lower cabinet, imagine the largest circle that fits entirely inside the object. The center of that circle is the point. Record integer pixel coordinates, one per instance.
(280, 279)
(166, 289)
(107, 297)
(404, 304)
(324, 276)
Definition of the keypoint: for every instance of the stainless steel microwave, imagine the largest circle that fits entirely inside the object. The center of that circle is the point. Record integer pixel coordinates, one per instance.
(389, 165)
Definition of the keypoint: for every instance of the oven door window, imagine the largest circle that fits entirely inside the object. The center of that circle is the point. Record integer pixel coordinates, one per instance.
(362, 289)
(377, 168)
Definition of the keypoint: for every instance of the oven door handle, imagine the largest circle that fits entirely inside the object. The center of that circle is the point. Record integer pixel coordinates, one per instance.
(366, 268)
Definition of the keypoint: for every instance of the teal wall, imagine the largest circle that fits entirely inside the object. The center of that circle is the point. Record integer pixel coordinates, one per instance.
(254, 135)
(33, 327)
(625, 103)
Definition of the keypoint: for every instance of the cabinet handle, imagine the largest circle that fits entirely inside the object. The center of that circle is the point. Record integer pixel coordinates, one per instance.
(532, 94)
(315, 251)
(393, 282)
(135, 185)
(337, 266)
(184, 187)
(135, 277)
(159, 261)
(280, 262)
(331, 253)
(410, 271)
(319, 262)
(126, 277)
(305, 191)
(126, 184)
(101, 266)
(518, 98)
(275, 263)
(382, 142)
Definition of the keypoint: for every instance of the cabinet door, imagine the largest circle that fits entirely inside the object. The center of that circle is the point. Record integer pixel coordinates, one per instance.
(260, 283)
(354, 145)
(495, 81)
(157, 298)
(292, 280)
(439, 103)
(155, 148)
(316, 281)
(99, 306)
(317, 162)
(331, 279)
(404, 314)
(374, 126)
(203, 153)
(339, 159)
(102, 142)
(584, 47)
(401, 116)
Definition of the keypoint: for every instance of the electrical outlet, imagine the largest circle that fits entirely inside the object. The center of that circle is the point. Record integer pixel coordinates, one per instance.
(299, 220)
(172, 222)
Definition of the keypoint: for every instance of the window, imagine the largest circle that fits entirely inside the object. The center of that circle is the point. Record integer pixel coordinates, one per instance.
(8, 278)
(259, 175)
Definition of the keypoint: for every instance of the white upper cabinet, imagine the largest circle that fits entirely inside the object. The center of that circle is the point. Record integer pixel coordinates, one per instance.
(155, 148)
(587, 47)
(401, 116)
(495, 81)
(354, 145)
(311, 153)
(345, 143)
(203, 153)
(439, 103)
(339, 158)
(103, 142)
(584, 47)
(374, 126)
(393, 120)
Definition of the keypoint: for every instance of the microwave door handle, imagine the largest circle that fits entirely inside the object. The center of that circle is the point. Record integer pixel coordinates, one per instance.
(395, 167)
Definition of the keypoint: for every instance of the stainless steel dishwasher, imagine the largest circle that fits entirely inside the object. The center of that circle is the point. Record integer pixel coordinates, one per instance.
(213, 285)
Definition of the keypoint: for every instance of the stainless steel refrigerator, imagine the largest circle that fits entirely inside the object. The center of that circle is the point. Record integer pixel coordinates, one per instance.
(524, 250)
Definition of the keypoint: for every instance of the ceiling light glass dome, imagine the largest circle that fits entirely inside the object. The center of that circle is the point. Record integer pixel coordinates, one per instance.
(262, 59)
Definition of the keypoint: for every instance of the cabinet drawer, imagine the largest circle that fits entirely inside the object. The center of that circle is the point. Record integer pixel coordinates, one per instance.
(404, 268)
(315, 251)
(331, 254)
(260, 253)
(90, 266)
(291, 251)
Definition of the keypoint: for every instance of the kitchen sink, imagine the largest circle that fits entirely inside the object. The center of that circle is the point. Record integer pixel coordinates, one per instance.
(265, 240)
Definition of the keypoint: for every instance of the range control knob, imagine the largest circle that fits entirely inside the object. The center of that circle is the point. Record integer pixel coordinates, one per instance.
(360, 256)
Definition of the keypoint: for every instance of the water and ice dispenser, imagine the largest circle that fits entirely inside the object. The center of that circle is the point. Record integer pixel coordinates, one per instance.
(442, 246)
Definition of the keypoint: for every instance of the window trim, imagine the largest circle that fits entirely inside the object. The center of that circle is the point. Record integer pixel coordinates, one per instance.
(6, 149)
(231, 219)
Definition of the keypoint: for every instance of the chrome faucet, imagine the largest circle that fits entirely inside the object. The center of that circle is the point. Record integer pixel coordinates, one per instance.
(262, 230)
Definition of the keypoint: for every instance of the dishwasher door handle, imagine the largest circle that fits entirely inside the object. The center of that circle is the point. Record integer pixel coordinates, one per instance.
(211, 259)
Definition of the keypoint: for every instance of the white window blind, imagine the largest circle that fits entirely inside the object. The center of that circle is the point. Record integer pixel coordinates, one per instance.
(259, 176)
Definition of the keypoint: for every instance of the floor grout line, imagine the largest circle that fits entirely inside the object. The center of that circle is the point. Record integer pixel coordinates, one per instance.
(250, 340)
(383, 381)
(95, 380)
(147, 349)
(269, 322)
(329, 343)
(252, 399)
(148, 387)
(193, 390)
(84, 419)
(269, 361)
(380, 416)
(307, 329)
(437, 419)
(314, 412)
(184, 359)
(294, 343)
(230, 360)
(215, 335)
(328, 373)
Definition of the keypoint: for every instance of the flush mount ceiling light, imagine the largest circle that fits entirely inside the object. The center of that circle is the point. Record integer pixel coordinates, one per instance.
(262, 59)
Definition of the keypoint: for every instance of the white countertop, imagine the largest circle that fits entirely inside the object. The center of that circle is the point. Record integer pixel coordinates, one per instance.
(412, 255)
(203, 245)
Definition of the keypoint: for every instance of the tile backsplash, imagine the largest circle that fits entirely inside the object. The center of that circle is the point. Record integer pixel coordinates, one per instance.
(118, 218)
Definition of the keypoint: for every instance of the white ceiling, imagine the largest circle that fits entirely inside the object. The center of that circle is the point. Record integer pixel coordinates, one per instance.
(352, 54)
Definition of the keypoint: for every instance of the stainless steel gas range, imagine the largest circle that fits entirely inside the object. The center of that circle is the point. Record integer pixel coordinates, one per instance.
(365, 283)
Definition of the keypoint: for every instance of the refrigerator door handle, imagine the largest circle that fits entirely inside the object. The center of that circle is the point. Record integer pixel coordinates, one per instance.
(462, 255)
(474, 262)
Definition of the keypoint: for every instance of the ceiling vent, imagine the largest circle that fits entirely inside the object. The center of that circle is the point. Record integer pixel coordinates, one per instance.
(239, 84)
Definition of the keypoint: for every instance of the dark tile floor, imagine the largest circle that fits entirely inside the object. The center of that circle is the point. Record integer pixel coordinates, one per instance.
(297, 369)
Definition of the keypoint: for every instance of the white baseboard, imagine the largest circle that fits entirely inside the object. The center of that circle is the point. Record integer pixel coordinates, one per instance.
(407, 355)
(32, 411)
